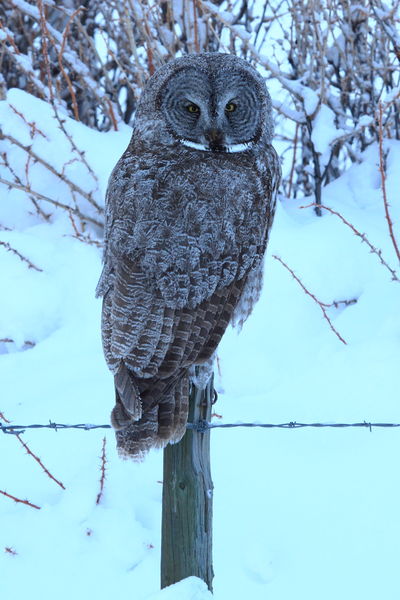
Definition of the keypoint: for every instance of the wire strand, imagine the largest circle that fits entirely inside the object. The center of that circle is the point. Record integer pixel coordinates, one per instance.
(200, 427)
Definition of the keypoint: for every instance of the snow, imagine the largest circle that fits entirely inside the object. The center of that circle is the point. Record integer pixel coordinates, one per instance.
(310, 99)
(191, 588)
(305, 513)
(324, 132)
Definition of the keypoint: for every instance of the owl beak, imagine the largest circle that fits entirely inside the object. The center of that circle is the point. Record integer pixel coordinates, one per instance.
(215, 139)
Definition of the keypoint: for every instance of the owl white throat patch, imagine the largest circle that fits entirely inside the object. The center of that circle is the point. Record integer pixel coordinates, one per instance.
(224, 148)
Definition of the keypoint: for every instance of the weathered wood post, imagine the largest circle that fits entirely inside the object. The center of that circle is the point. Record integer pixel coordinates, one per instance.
(186, 545)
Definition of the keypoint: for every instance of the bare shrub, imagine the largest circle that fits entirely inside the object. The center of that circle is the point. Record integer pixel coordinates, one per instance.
(329, 64)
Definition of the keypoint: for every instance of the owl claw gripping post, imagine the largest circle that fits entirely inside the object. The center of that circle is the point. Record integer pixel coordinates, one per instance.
(189, 207)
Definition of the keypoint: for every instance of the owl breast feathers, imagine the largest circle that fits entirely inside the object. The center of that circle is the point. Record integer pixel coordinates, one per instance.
(188, 210)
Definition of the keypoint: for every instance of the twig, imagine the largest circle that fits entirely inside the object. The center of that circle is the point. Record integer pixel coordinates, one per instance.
(40, 196)
(21, 61)
(2, 417)
(112, 115)
(149, 49)
(18, 180)
(363, 237)
(320, 304)
(103, 471)
(74, 147)
(195, 28)
(42, 161)
(29, 451)
(19, 500)
(336, 303)
(9, 38)
(11, 341)
(293, 160)
(390, 31)
(30, 264)
(45, 37)
(31, 124)
(60, 55)
(383, 182)
(84, 238)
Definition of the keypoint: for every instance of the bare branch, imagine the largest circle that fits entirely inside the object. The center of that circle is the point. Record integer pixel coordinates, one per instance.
(322, 305)
(18, 500)
(363, 238)
(383, 185)
(39, 196)
(30, 264)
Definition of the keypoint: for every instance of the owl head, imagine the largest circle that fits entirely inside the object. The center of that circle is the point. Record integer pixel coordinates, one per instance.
(209, 102)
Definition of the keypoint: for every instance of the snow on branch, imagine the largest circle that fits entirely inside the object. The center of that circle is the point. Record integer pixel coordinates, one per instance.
(342, 63)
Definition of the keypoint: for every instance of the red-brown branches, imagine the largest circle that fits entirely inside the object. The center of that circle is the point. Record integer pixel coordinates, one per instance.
(60, 63)
(383, 184)
(362, 236)
(31, 124)
(18, 500)
(29, 451)
(322, 305)
(103, 471)
(111, 113)
(82, 237)
(2, 417)
(30, 264)
(195, 28)
(38, 460)
(45, 51)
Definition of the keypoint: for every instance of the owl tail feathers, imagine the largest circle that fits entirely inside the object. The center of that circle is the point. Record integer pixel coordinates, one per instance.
(159, 425)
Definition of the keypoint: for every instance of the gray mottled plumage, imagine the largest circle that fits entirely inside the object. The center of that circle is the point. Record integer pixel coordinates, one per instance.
(188, 210)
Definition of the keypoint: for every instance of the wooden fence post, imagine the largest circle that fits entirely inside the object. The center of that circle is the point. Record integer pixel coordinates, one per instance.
(186, 544)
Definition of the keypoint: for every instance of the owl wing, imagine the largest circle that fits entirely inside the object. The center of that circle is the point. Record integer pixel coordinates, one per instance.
(149, 342)
(150, 348)
(152, 340)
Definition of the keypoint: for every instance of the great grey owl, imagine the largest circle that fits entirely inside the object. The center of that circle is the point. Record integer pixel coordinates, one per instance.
(189, 207)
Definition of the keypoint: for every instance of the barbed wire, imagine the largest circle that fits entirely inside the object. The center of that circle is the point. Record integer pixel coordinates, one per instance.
(203, 426)
(200, 426)
(18, 429)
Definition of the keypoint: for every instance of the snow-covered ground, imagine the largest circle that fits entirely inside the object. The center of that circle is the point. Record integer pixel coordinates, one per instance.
(299, 513)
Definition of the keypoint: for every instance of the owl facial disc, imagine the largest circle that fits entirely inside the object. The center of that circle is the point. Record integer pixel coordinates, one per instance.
(223, 148)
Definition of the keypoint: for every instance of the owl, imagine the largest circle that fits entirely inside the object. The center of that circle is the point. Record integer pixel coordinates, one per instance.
(189, 207)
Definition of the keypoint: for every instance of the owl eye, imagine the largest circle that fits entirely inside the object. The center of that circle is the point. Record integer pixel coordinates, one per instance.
(192, 108)
(230, 107)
